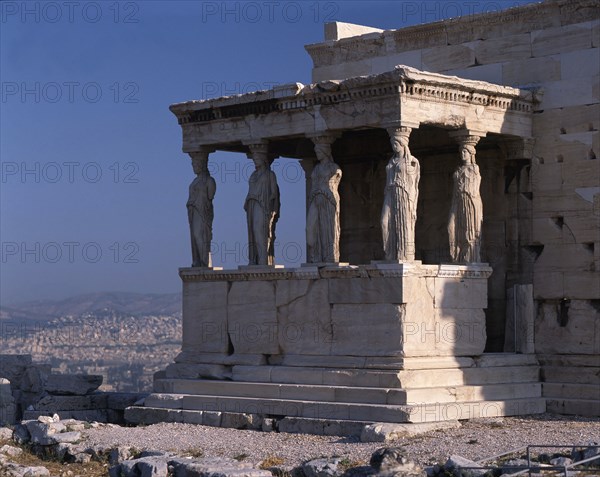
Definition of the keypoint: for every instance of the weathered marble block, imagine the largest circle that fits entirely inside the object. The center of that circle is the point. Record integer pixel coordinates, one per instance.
(304, 317)
(205, 309)
(252, 317)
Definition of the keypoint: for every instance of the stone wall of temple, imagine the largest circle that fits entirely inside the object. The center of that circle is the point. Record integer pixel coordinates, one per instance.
(546, 218)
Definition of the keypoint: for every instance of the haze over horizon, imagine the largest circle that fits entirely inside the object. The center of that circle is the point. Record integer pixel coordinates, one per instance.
(93, 182)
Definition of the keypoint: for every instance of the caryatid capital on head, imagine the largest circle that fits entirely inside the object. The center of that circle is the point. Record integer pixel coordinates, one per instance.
(259, 153)
(467, 140)
(200, 158)
(399, 138)
(323, 142)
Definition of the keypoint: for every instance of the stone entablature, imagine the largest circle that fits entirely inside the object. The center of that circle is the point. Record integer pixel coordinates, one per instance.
(404, 96)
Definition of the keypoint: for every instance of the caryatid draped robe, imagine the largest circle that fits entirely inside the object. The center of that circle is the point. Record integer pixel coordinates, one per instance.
(323, 218)
(399, 213)
(200, 216)
(262, 211)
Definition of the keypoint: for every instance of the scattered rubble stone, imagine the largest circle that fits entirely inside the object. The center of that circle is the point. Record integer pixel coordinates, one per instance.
(10, 450)
(456, 466)
(323, 467)
(160, 465)
(583, 453)
(514, 465)
(393, 458)
(385, 432)
(21, 434)
(16, 470)
(119, 454)
(561, 461)
(58, 439)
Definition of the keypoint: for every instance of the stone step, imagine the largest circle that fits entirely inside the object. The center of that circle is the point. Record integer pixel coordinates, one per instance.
(345, 394)
(571, 390)
(421, 378)
(327, 376)
(580, 407)
(397, 363)
(475, 409)
(468, 376)
(577, 360)
(571, 374)
(490, 360)
(452, 394)
(297, 408)
(309, 392)
(330, 427)
(212, 409)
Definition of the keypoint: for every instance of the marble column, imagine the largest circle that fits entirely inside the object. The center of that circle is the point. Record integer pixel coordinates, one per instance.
(399, 212)
(466, 209)
(323, 212)
(262, 207)
(200, 208)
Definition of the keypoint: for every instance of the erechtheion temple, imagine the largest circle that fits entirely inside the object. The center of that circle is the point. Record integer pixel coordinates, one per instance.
(452, 232)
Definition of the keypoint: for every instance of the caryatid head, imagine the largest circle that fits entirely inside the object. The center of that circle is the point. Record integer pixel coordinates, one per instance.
(399, 140)
(323, 152)
(199, 161)
(467, 153)
(259, 153)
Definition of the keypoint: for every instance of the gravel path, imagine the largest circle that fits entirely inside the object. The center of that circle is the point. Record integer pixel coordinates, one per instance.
(476, 439)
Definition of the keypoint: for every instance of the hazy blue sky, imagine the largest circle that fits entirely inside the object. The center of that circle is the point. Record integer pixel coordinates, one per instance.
(94, 183)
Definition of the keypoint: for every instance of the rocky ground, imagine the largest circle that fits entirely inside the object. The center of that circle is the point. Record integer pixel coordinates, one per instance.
(92, 450)
(475, 439)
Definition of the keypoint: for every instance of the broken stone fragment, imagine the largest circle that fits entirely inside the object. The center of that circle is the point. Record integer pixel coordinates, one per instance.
(393, 459)
(8, 409)
(322, 467)
(459, 466)
(73, 384)
(10, 450)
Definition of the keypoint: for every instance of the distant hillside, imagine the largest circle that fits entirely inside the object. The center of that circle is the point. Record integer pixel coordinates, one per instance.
(136, 304)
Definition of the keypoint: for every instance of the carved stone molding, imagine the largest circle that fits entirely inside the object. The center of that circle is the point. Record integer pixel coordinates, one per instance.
(482, 270)
(261, 273)
(324, 137)
(467, 137)
(399, 131)
(258, 148)
(477, 270)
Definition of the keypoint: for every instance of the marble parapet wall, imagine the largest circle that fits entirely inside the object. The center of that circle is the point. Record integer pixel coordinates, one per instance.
(379, 312)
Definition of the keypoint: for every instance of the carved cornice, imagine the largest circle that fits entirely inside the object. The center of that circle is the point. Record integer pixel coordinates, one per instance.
(403, 83)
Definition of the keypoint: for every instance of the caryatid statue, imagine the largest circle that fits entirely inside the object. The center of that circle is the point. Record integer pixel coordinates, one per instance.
(323, 217)
(466, 209)
(399, 213)
(200, 209)
(262, 208)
